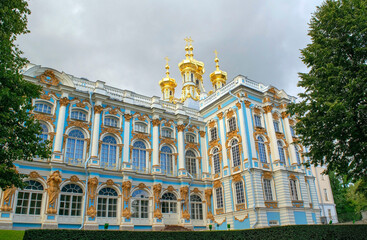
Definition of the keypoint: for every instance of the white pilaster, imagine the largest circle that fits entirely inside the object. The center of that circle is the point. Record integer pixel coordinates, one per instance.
(181, 153)
(289, 138)
(64, 101)
(95, 136)
(156, 166)
(223, 140)
(250, 130)
(243, 132)
(204, 154)
(271, 133)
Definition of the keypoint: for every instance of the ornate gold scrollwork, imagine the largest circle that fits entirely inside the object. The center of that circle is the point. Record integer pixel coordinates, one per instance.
(53, 191)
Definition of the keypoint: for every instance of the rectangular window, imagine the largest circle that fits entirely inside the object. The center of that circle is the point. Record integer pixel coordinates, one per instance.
(190, 138)
(232, 124)
(294, 193)
(292, 131)
(267, 190)
(276, 126)
(213, 134)
(219, 196)
(326, 195)
(240, 195)
(140, 127)
(167, 133)
(257, 121)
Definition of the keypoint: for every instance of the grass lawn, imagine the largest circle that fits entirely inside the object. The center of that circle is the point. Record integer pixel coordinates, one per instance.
(11, 235)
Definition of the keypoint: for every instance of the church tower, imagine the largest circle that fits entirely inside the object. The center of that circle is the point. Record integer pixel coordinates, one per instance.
(192, 74)
(218, 77)
(168, 85)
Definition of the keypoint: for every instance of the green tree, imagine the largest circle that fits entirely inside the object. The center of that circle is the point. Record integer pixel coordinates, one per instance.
(332, 111)
(18, 130)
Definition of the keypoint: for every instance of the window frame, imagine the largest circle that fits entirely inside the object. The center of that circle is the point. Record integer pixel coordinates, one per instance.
(141, 158)
(169, 161)
(25, 209)
(213, 133)
(192, 135)
(144, 126)
(75, 199)
(112, 153)
(258, 121)
(263, 157)
(237, 153)
(281, 153)
(166, 130)
(79, 111)
(140, 206)
(293, 186)
(219, 198)
(78, 143)
(169, 205)
(110, 206)
(268, 189)
(216, 161)
(196, 207)
(45, 104)
(232, 124)
(239, 188)
(192, 165)
(107, 123)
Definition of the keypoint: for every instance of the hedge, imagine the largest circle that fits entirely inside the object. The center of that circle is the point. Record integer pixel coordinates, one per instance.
(327, 232)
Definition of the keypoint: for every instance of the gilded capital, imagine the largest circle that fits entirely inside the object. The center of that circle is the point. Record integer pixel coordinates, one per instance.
(220, 115)
(156, 122)
(128, 117)
(247, 103)
(268, 108)
(64, 101)
(238, 105)
(180, 128)
(202, 133)
(98, 109)
(285, 115)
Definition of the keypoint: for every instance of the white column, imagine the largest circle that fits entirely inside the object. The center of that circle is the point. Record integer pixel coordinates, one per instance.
(204, 155)
(289, 138)
(271, 133)
(181, 152)
(250, 130)
(243, 132)
(60, 127)
(95, 135)
(126, 139)
(223, 141)
(156, 167)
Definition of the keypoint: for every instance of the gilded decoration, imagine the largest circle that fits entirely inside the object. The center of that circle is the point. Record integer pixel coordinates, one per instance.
(220, 115)
(46, 118)
(157, 213)
(156, 122)
(272, 90)
(49, 78)
(267, 175)
(74, 178)
(112, 130)
(184, 192)
(236, 169)
(271, 204)
(219, 107)
(285, 115)
(80, 104)
(142, 186)
(186, 215)
(266, 99)
(230, 114)
(238, 105)
(53, 191)
(7, 199)
(45, 97)
(91, 211)
(192, 145)
(211, 124)
(279, 135)
(231, 135)
(126, 213)
(157, 188)
(210, 216)
(217, 184)
(219, 211)
(92, 186)
(98, 109)
(196, 190)
(34, 175)
(168, 141)
(208, 194)
(170, 188)
(126, 187)
(283, 106)
(257, 111)
(268, 108)
(241, 220)
(202, 133)
(128, 116)
(180, 128)
(64, 101)
(297, 204)
(240, 207)
(275, 116)
(247, 103)
(237, 177)
(77, 123)
(291, 122)
(109, 182)
(292, 176)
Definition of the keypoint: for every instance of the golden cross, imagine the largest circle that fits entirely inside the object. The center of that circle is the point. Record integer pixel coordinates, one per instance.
(216, 53)
(167, 59)
(188, 40)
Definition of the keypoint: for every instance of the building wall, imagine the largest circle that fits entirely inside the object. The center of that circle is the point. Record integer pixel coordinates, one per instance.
(256, 192)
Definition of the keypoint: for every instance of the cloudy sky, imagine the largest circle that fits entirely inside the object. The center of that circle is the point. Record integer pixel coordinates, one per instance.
(124, 42)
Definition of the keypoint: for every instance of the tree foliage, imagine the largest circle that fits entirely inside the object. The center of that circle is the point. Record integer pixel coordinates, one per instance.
(332, 111)
(18, 130)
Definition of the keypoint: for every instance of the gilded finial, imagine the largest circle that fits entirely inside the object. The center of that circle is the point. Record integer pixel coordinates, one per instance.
(167, 66)
(216, 60)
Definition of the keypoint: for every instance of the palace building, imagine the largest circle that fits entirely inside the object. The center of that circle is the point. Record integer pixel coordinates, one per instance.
(222, 159)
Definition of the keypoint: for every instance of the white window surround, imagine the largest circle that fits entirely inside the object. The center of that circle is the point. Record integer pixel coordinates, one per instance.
(141, 127)
(167, 132)
(268, 189)
(239, 192)
(219, 197)
(232, 124)
(190, 137)
(213, 134)
(77, 114)
(111, 121)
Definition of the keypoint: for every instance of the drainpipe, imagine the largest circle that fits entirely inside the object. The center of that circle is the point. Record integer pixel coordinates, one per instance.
(86, 164)
(252, 178)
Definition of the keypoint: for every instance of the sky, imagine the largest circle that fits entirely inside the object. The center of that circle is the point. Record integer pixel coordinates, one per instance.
(124, 43)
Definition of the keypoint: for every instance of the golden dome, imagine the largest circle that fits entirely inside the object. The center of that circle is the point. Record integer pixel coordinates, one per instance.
(218, 77)
(168, 85)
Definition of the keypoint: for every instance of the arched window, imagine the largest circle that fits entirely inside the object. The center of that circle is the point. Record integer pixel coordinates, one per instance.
(292, 131)
(298, 158)
(71, 200)
(110, 121)
(108, 152)
(281, 151)
(44, 134)
(276, 126)
(240, 193)
(216, 160)
(257, 121)
(140, 127)
(169, 203)
(139, 156)
(190, 138)
(191, 163)
(75, 147)
(166, 160)
(139, 204)
(293, 186)
(235, 153)
(107, 203)
(167, 132)
(219, 197)
(196, 207)
(262, 152)
(232, 124)
(42, 107)
(79, 115)
(30, 199)
(268, 192)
